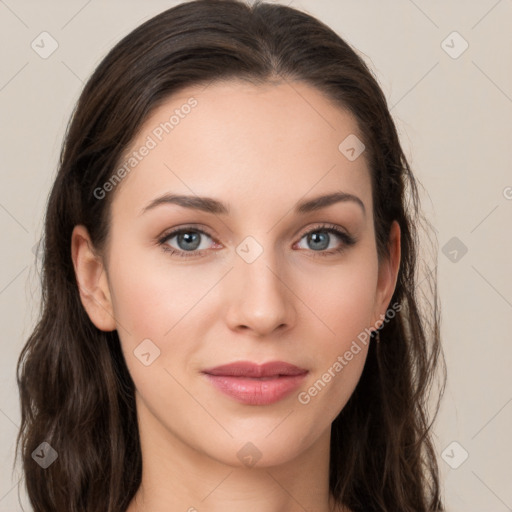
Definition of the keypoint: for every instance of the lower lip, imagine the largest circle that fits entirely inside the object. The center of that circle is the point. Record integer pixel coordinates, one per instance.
(256, 391)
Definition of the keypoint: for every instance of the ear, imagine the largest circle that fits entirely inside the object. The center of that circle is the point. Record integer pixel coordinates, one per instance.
(92, 280)
(388, 274)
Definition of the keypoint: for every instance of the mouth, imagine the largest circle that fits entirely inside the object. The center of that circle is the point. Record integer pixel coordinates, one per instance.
(253, 384)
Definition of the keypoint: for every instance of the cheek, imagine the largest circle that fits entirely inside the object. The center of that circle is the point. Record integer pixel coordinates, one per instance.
(342, 299)
(138, 298)
(159, 301)
(148, 294)
(153, 303)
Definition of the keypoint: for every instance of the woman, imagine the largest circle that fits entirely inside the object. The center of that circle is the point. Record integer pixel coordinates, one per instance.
(230, 311)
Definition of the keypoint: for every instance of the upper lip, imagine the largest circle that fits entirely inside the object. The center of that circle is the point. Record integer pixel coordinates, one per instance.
(250, 369)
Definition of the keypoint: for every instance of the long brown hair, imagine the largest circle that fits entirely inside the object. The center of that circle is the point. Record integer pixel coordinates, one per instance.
(75, 389)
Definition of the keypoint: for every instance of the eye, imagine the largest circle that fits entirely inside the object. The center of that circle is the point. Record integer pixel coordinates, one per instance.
(320, 238)
(188, 240)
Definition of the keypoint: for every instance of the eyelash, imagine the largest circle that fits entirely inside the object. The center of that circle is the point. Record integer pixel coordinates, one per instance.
(329, 228)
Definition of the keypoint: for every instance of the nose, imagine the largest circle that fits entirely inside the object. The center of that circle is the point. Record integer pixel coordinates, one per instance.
(260, 300)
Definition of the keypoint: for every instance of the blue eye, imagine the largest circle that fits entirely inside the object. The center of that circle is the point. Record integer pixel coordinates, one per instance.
(188, 240)
(320, 239)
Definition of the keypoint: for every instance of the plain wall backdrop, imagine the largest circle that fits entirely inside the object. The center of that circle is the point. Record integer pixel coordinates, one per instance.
(446, 70)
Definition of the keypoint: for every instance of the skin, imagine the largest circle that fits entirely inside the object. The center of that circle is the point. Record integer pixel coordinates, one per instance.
(259, 149)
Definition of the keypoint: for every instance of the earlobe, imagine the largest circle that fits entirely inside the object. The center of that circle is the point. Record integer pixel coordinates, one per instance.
(388, 271)
(91, 280)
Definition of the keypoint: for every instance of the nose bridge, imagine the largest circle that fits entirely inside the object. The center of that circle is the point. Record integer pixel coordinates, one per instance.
(262, 276)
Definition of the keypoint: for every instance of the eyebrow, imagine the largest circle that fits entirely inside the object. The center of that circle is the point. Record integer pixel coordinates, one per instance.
(210, 205)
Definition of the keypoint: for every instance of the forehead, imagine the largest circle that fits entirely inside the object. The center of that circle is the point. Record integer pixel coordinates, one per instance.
(268, 141)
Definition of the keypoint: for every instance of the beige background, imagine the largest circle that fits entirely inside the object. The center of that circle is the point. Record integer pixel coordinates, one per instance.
(454, 116)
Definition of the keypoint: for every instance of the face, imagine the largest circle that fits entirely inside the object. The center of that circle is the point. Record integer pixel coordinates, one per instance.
(250, 277)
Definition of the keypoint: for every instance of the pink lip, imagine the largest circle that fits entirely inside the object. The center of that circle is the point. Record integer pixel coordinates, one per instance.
(253, 384)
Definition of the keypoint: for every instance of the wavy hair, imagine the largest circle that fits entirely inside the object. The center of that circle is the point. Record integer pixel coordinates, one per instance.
(75, 389)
